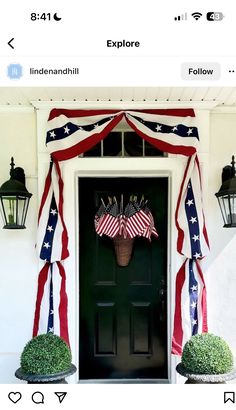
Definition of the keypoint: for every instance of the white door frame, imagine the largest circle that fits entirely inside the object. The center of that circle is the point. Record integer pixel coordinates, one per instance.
(117, 167)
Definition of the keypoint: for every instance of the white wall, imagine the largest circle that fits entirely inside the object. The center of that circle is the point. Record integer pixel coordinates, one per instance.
(221, 273)
(18, 262)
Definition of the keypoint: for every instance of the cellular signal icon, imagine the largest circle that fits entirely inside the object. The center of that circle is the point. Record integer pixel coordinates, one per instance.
(181, 17)
(197, 15)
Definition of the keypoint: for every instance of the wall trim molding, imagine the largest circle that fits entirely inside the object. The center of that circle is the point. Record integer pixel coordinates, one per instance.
(124, 105)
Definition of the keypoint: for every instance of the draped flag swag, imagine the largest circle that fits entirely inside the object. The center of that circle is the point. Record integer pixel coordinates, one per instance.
(73, 132)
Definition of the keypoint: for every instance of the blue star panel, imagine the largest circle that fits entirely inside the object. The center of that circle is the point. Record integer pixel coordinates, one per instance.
(193, 295)
(193, 225)
(46, 249)
(179, 129)
(69, 128)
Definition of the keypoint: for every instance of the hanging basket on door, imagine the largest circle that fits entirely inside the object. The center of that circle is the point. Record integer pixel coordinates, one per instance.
(123, 249)
(123, 225)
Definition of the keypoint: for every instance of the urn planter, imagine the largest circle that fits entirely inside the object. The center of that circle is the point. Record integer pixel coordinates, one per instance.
(56, 378)
(193, 378)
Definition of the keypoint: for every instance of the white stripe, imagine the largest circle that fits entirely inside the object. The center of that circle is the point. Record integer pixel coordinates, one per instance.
(44, 308)
(56, 298)
(62, 120)
(199, 305)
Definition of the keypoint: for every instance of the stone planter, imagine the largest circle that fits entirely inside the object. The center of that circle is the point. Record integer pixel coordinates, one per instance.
(56, 378)
(194, 378)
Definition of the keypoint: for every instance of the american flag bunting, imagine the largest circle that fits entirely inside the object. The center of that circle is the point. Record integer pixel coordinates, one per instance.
(73, 132)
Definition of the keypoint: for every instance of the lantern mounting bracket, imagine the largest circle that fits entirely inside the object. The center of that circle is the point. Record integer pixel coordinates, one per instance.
(18, 173)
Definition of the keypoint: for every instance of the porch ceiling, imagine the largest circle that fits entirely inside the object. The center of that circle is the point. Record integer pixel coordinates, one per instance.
(223, 96)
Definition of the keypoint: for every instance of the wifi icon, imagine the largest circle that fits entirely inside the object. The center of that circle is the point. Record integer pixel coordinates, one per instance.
(197, 15)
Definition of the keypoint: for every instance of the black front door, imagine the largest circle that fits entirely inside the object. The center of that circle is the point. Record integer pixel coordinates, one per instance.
(123, 310)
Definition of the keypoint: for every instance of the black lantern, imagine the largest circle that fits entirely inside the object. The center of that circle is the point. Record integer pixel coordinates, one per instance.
(14, 199)
(227, 195)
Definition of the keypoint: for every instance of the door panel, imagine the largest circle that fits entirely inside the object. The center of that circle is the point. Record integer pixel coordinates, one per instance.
(123, 310)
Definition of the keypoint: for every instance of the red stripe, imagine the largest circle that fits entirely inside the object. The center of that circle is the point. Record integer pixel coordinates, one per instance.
(63, 306)
(56, 112)
(204, 299)
(46, 190)
(86, 144)
(42, 279)
(179, 112)
(161, 145)
(64, 236)
(177, 339)
(180, 238)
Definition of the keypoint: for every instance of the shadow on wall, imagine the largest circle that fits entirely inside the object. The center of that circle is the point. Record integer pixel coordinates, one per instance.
(221, 289)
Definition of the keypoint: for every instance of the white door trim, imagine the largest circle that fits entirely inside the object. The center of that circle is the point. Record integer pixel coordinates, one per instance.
(116, 167)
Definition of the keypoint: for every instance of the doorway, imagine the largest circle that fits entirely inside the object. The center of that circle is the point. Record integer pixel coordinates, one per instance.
(122, 310)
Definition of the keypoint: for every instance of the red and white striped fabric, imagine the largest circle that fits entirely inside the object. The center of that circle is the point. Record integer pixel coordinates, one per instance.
(109, 226)
(150, 229)
(44, 311)
(137, 224)
(190, 304)
(72, 132)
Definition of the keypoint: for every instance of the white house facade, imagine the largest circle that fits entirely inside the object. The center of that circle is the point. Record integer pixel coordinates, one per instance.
(23, 137)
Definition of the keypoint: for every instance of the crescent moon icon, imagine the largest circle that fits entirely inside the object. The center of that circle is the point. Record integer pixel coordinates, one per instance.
(56, 17)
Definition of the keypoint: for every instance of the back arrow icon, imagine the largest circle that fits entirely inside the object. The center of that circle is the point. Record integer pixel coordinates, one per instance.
(9, 43)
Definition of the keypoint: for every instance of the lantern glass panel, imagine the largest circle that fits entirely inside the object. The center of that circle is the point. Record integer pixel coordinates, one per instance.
(14, 210)
(232, 200)
(228, 209)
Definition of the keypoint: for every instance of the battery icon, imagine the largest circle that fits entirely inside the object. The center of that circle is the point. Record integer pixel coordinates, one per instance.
(214, 16)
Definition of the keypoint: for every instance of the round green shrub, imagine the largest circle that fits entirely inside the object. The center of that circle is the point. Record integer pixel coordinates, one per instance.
(207, 354)
(46, 354)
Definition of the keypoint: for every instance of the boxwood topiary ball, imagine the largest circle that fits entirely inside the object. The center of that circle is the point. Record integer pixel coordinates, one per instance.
(207, 354)
(46, 354)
